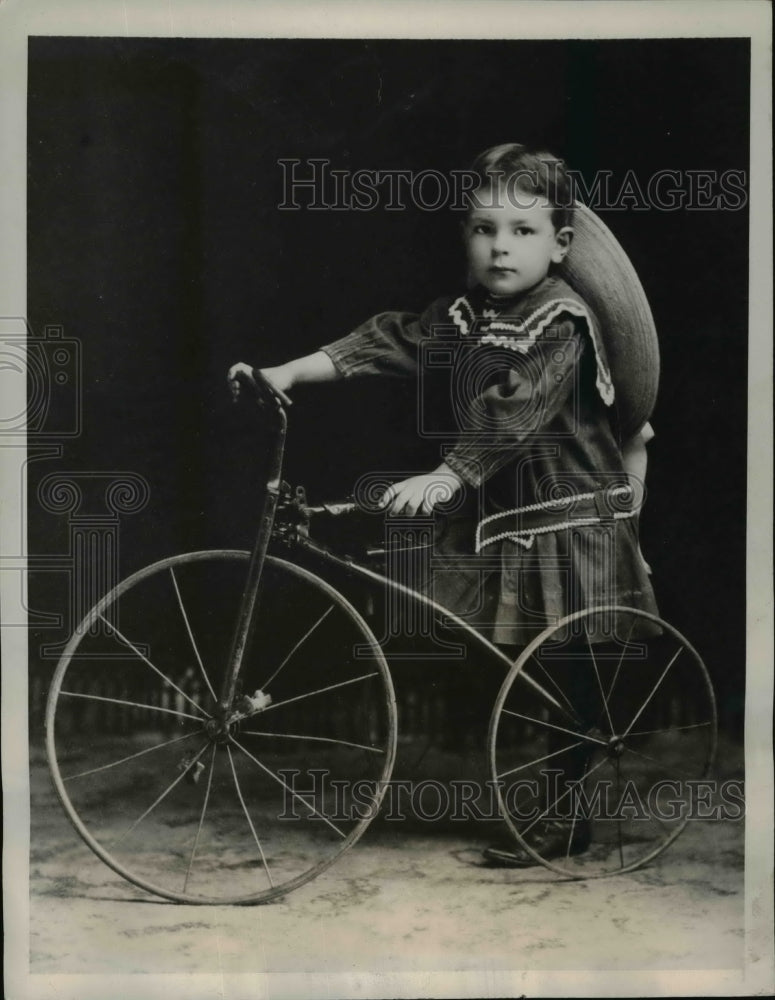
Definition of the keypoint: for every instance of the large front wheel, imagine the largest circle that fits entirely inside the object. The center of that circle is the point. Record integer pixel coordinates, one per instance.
(209, 803)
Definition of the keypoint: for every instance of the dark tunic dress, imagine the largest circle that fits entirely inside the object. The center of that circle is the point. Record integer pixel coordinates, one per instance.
(546, 523)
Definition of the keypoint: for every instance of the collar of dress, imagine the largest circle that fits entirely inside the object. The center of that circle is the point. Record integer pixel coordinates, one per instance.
(517, 323)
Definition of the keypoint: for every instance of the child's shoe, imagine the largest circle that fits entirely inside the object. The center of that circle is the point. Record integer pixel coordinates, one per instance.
(549, 839)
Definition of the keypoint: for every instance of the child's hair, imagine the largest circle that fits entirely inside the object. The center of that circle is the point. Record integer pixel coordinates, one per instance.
(534, 171)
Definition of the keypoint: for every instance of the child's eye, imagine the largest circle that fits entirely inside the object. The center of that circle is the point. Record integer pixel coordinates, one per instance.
(482, 228)
(523, 230)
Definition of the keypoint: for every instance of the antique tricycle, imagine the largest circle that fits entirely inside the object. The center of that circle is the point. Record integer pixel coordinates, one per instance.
(222, 725)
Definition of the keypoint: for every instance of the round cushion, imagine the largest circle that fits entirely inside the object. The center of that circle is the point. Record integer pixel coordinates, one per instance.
(600, 271)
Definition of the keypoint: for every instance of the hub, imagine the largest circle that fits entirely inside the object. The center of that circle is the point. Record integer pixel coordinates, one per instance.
(220, 729)
(616, 746)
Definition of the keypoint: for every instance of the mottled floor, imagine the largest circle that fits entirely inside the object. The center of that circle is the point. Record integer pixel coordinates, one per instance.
(407, 897)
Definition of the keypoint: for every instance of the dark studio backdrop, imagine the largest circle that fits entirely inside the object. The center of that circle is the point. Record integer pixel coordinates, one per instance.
(155, 240)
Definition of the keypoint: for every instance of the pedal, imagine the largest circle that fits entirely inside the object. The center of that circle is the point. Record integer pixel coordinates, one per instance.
(193, 771)
(250, 703)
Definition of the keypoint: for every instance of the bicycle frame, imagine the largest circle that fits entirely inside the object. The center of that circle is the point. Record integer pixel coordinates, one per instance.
(276, 403)
(469, 632)
(247, 609)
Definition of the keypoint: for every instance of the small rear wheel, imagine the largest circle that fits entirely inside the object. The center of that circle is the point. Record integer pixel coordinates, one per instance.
(598, 736)
(206, 803)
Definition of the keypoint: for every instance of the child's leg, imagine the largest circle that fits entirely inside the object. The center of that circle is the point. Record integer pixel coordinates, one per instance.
(561, 829)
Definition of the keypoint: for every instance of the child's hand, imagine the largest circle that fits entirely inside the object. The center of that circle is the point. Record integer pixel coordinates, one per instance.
(279, 377)
(420, 494)
(236, 374)
(317, 367)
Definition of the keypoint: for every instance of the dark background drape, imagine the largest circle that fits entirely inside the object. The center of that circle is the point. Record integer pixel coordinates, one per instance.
(155, 240)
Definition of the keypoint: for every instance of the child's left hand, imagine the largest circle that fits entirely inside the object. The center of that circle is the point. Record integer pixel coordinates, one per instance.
(420, 494)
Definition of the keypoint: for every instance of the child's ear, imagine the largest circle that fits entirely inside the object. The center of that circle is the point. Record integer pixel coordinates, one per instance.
(470, 280)
(563, 239)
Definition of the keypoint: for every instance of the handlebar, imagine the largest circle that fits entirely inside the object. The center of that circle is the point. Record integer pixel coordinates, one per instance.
(270, 396)
(334, 509)
(265, 392)
(266, 387)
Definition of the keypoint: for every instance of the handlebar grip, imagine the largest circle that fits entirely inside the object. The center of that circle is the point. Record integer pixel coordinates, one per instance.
(345, 507)
(334, 509)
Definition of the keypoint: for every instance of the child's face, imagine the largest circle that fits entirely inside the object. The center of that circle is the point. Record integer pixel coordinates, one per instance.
(511, 240)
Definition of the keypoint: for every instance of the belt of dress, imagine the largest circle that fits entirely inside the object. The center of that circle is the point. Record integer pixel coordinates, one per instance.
(522, 524)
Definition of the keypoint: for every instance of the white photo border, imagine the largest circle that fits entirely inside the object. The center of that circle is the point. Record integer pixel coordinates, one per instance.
(20, 19)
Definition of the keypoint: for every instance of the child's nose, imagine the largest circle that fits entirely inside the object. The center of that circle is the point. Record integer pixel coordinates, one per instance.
(500, 243)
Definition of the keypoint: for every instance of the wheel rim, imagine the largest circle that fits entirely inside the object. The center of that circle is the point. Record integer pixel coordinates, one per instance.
(229, 804)
(598, 731)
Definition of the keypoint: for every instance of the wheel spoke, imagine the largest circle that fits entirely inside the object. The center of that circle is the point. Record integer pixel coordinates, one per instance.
(621, 660)
(523, 675)
(599, 682)
(559, 798)
(133, 756)
(247, 816)
(317, 739)
(301, 641)
(201, 819)
(650, 815)
(676, 770)
(311, 694)
(572, 831)
(573, 715)
(163, 796)
(133, 704)
(653, 691)
(539, 760)
(288, 788)
(560, 729)
(191, 634)
(671, 729)
(136, 651)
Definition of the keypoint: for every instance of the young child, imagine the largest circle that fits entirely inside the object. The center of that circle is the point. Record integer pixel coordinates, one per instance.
(536, 425)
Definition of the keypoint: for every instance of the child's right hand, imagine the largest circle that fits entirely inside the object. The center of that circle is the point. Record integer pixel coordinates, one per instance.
(317, 367)
(240, 372)
(281, 377)
(236, 375)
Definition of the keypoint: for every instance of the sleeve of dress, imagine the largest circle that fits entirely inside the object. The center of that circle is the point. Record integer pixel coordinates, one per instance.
(387, 344)
(515, 394)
